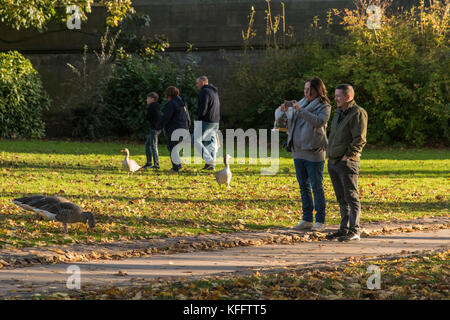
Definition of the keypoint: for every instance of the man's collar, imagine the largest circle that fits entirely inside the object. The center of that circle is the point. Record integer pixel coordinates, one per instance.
(351, 104)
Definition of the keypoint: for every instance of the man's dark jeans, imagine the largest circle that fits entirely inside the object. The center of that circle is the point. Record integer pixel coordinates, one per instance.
(344, 176)
(151, 148)
(310, 174)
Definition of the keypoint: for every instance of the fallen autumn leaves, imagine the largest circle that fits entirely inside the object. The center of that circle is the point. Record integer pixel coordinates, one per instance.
(17, 257)
(394, 185)
(414, 277)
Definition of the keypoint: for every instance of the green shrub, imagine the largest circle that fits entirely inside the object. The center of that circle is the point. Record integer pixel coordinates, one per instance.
(98, 110)
(125, 92)
(22, 98)
(85, 101)
(400, 73)
(254, 91)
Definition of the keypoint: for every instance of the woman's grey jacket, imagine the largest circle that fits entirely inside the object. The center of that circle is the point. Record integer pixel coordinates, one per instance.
(307, 129)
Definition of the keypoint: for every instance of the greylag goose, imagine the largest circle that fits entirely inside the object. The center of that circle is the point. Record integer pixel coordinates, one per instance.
(56, 208)
(128, 164)
(224, 175)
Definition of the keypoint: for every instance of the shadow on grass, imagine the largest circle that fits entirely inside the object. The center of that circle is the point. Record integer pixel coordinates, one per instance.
(78, 168)
(406, 173)
(266, 203)
(182, 223)
(113, 147)
(66, 168)
(188, 170)
(406, 154)
(69, 147)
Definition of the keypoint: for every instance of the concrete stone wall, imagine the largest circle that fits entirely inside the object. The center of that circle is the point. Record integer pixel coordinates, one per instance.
(212, 26)
(208, 24)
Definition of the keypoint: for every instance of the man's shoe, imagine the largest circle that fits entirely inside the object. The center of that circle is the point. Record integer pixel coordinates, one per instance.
(303, 225)
(154, 167)
(147, 166)
(350, 237)
(337, 234)
(208, 167)
(318, 226)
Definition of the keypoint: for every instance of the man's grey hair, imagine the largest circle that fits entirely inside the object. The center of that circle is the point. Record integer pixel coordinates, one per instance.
(347, 89)
(203, 79)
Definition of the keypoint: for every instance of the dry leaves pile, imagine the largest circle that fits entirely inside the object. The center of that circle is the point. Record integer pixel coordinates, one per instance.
(414, 277)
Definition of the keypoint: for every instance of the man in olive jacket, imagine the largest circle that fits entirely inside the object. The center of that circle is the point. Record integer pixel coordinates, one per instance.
(345, 143)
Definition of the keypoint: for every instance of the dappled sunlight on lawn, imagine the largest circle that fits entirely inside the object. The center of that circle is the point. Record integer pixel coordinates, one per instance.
(154, 203)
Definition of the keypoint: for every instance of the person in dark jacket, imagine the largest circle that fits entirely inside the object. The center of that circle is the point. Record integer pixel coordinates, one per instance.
(175, 116)
(151, 145)
(345, 143)
(208, 113)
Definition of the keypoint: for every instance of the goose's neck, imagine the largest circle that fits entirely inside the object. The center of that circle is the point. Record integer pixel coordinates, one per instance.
(225, 161)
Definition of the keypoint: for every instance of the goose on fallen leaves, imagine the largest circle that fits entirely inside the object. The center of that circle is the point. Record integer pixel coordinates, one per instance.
(56, 208)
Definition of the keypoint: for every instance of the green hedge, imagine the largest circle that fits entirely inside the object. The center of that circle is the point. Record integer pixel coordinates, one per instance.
(125, 92)
(22, 98)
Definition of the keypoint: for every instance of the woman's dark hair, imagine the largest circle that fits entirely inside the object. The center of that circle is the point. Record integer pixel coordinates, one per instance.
(153, 95)
(172, 92)
(318, 85)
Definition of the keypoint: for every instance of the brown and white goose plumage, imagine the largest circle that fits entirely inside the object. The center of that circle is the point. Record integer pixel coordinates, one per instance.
(56, 208)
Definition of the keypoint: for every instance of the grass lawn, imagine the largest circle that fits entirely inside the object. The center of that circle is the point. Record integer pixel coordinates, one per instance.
(394, 184)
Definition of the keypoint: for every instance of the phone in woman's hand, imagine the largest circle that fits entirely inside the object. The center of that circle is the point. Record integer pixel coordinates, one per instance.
(289, 104)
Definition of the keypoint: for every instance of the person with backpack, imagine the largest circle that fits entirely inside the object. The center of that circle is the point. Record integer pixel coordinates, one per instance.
(175, 116)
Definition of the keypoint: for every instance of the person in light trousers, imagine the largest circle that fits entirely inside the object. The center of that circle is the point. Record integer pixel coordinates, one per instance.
(208, 116)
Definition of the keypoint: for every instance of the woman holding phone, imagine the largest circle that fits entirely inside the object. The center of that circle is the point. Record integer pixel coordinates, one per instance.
(307, 139)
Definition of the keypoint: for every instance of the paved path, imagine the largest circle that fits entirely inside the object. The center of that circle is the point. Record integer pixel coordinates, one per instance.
(49, 278)
(12, 257)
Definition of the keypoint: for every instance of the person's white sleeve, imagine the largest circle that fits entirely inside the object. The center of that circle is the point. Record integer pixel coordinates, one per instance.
(278, 113)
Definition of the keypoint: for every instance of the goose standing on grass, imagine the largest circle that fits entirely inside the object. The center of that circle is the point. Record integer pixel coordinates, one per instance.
(56, 208)
(128, 164)
(224, 175)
